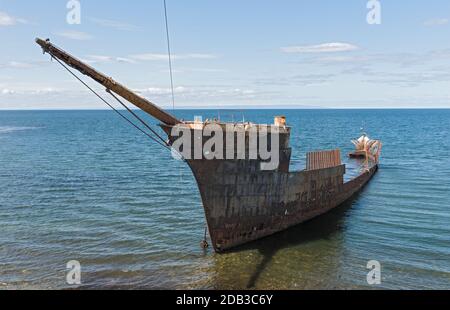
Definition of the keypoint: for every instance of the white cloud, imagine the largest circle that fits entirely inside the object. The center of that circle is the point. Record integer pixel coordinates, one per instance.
(125, 60)
(8, 20)
(201, 93)
(194, 70)
(196, 56)
(343, 59)
(162, 91)
(22, 64)
(321, 48)
(150, 57)
(409, 79)
(19, 65)
(75, 35)
(32, 90)
(436, 22)
(207, 70)
(114, 24)
(6, 91)
(44, 91)
(297, 80)
(16, 65)
(165, 57)
(133, 59)
(49, 95)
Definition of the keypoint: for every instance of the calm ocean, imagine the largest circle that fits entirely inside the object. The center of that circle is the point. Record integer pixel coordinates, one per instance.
(84, 185)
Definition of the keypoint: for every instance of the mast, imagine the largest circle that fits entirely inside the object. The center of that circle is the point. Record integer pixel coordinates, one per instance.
(109, 83)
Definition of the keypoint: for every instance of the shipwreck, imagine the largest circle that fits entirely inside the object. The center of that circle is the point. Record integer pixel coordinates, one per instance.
(243, 201)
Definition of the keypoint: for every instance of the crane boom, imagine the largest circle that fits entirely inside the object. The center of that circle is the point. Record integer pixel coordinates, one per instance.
(109, 83)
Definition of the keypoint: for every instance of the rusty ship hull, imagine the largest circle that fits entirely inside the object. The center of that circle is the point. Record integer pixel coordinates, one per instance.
(243, 203)
(242, 206)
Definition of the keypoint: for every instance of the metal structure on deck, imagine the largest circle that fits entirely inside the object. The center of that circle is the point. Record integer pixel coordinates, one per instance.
(323, 159)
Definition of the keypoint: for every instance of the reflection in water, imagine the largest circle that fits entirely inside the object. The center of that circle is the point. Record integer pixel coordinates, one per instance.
(308, 249)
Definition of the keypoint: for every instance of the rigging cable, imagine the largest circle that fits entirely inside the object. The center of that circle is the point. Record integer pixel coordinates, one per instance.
(170, 54)
(164, 142)
(107, 103)
(137, 117)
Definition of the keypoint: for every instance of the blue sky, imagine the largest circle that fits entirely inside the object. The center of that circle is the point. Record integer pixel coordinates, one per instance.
(247, 53)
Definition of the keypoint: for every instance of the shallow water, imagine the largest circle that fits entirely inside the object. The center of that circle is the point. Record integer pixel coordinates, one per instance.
(83, 185)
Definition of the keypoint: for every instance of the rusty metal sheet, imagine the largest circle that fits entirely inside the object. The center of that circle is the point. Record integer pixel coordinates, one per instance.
(323, 159)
